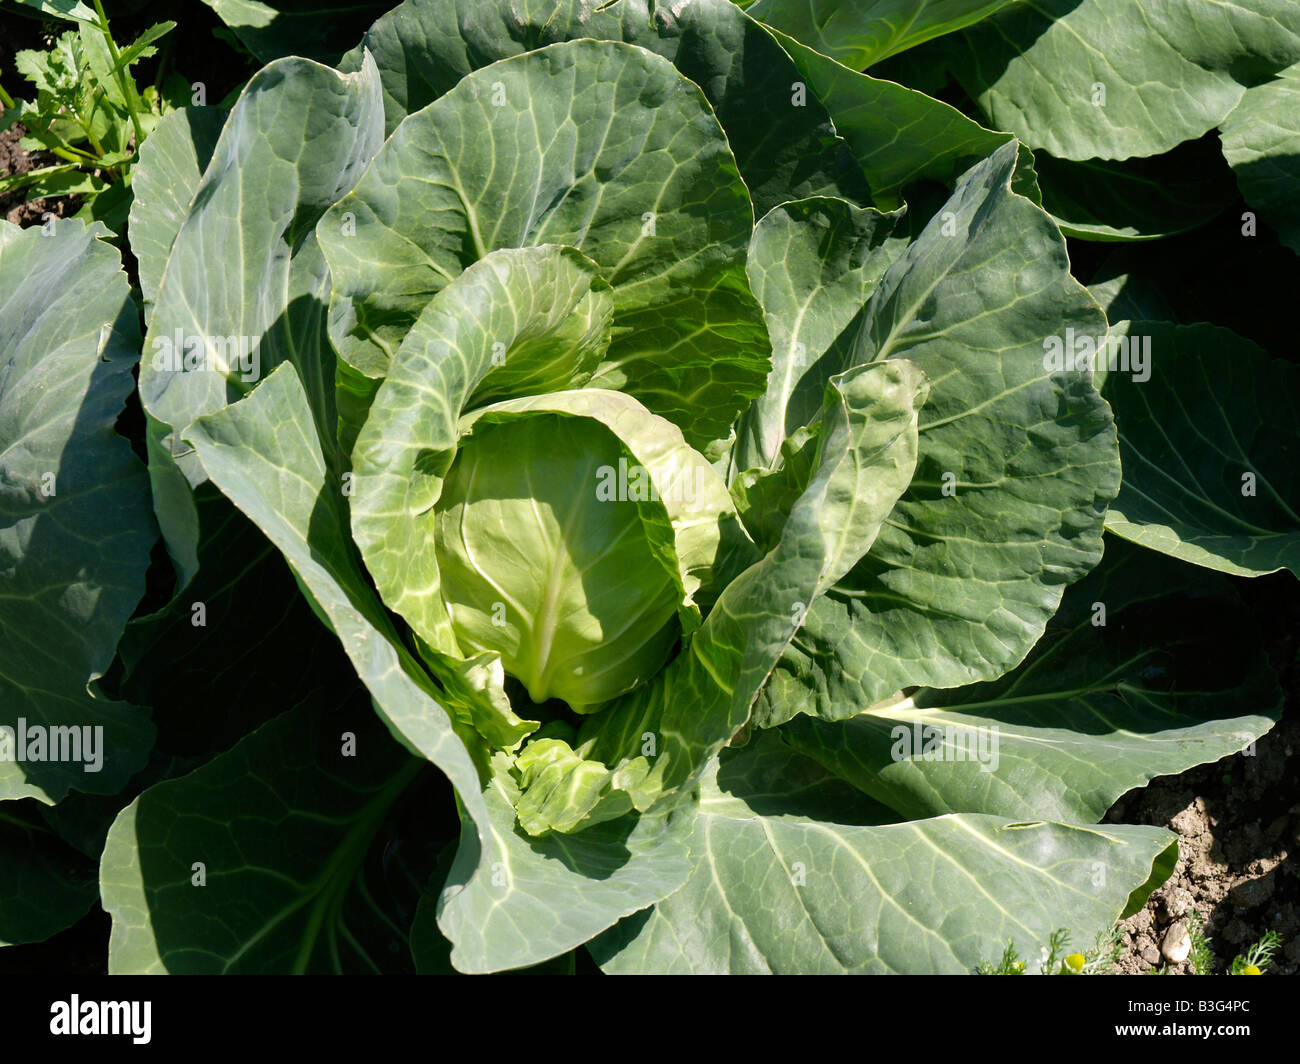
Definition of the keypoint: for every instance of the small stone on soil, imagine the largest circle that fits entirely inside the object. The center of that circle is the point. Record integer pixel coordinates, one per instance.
(1177, 944)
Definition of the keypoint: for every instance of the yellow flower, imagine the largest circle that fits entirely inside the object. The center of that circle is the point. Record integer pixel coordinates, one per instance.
(1250, 969)
(1076, 961)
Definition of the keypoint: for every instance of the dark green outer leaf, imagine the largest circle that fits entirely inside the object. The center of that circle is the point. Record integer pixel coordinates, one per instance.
(286, 826)
(1096, 710)
(897, 135)
(71, 10)
(46, 886)
(75, 528)
(1211, 449)
(1136, 294)
(298, 27)
(237, 646)
(1141, 199)
(858, 33)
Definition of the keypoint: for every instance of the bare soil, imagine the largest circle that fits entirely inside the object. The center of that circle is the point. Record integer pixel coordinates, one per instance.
(13, 160)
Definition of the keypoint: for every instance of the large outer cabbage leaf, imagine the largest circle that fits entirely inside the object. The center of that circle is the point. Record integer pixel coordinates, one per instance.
(1210, 438)
(1111, 79)
(791, 875)
(75, 529)
(1018, 462)
(298, 137)
(75, 533)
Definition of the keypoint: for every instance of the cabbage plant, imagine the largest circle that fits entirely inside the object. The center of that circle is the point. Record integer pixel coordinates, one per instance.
(626, 481)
